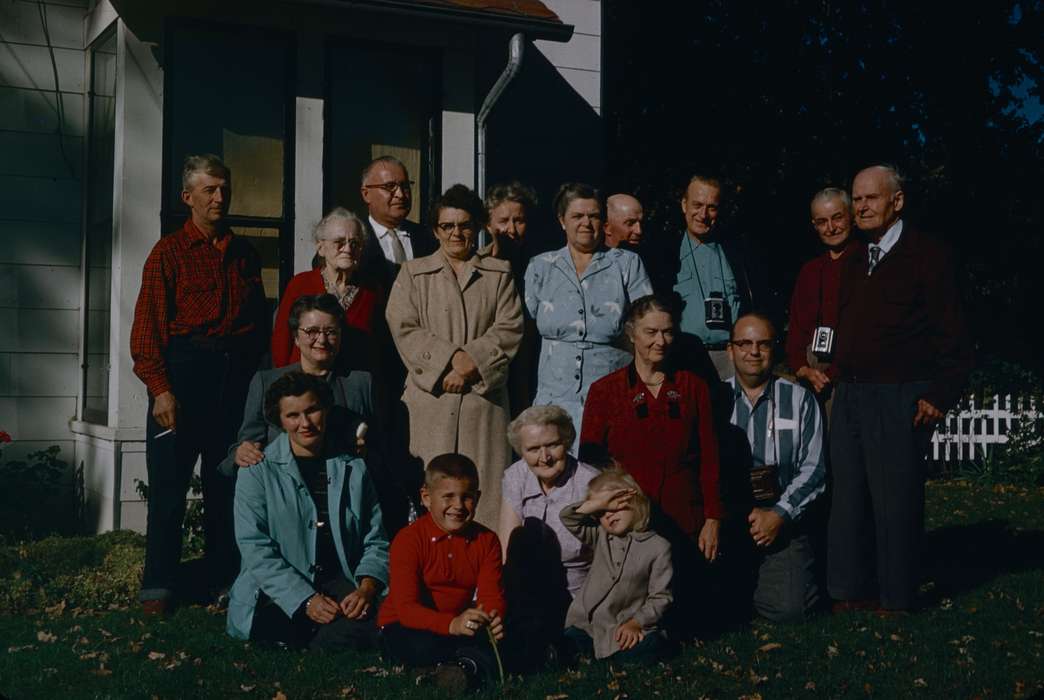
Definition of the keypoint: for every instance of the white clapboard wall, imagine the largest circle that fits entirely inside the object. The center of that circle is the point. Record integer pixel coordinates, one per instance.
(40, 233)
(975, 427)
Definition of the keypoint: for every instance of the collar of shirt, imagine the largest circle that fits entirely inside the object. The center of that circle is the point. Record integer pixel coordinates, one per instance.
(739, 394)
(531, 486)
(689, 243)
(382, 231)
(197, 237)
(632, 376)
(891, 237)
(431, 531)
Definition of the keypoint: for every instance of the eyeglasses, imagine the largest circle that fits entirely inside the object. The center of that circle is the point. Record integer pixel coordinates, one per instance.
(313, 332)
(746, 345)
(449, 226)
(390, 187)
(342, 243)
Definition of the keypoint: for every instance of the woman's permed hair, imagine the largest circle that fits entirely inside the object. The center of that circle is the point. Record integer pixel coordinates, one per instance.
(326, 303)
(647, 304)
(571, 191)
(513, 191)
(541, 415)
(616, 478)
(459, 197)
(295, 384)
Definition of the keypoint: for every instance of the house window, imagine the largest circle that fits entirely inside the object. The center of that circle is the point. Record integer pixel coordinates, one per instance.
(98, 188)
(228, 92)
(380, 100)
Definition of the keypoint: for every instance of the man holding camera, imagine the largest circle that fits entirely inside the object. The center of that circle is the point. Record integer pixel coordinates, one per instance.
(813, 304)
(902, 357)
(705, 281)
(784, 439)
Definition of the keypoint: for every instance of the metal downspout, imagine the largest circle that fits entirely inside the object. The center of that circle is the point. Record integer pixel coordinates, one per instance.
(514, 64)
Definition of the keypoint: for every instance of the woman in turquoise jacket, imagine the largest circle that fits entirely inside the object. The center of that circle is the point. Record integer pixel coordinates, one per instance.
(309, 529)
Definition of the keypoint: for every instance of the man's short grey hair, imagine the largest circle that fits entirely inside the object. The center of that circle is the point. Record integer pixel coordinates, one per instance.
(707, 179)
(832, 192)
(202, 163)
(895, 178)
(541, 416)
(513, 191)
(337, 214)
(381, 160)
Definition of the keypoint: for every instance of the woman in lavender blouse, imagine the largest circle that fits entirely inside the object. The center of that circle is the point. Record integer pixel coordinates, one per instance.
(544, 564)
(538, 486)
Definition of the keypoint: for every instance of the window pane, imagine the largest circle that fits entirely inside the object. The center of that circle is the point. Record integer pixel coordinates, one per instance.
(98, 229)
(228, 97)
(266, 243)
(370, 115)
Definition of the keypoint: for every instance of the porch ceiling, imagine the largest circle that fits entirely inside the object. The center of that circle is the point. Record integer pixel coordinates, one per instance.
(145, 17)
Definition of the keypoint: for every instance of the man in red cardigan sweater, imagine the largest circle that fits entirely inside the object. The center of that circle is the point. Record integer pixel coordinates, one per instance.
(816, 293)
(903, 355)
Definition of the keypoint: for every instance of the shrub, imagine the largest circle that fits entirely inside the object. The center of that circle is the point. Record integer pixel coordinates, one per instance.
(38, 497)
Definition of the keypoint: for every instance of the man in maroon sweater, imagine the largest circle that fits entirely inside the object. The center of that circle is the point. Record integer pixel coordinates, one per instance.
(813, 304)
(902, 357)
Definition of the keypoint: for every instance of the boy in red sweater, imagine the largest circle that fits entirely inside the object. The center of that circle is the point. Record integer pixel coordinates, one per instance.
(445, 586)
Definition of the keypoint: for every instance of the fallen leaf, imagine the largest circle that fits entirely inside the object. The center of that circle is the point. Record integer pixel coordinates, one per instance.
(920, 683)
(46, 637)
(102, 671)
(811, 685)
(557, 696)
(832, 651)
(247, 688)
(771, 646)
(12, 650)
(55, 610)
(280, 695)
(755, 678)
(156, 655)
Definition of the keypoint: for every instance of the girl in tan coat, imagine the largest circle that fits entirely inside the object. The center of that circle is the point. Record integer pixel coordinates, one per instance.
(618, 611)
(456, 320)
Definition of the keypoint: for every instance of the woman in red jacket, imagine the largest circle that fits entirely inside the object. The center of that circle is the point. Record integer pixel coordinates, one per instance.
(344, 270)
(655, 421)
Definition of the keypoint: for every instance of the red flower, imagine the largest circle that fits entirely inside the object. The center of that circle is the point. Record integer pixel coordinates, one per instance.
(4, 437)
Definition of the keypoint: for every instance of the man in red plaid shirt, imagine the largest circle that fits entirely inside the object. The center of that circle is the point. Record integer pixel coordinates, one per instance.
(199, 331)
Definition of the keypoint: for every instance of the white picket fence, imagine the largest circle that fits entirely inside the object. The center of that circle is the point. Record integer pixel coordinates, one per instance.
(972, 429)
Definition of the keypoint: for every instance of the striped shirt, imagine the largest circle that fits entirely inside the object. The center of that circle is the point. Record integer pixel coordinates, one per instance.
(784, 427)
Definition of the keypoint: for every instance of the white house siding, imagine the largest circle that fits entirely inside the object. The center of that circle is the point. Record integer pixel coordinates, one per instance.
(580, 59)
(40, 200)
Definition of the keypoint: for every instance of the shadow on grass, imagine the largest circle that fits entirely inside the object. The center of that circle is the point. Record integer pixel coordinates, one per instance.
(960, 558)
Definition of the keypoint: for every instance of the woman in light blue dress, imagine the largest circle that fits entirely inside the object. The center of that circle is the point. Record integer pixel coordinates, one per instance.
(578, 296)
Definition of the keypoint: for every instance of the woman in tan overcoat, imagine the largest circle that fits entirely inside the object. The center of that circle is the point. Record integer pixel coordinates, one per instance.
(456, 319)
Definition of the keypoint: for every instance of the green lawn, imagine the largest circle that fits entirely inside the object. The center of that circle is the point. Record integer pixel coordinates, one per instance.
(982, 635)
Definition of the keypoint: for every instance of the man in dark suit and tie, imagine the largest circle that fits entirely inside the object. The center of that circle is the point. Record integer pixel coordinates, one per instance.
(903, 355)
(388, 193)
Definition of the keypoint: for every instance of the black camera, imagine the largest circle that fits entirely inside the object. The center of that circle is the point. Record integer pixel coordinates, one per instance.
(716, 312)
